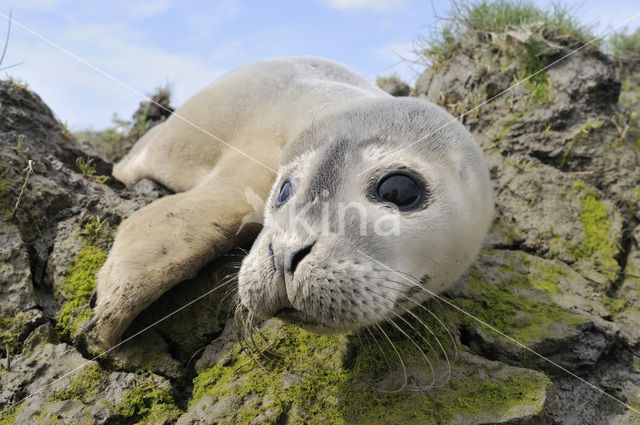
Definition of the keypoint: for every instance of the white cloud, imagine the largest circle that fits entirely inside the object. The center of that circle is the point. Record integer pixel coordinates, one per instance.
(374, 5)
(202, 23)
(397, 58)
(226, 51)
(84, 97)
(31, 5)
(143, 9)
(394, 52)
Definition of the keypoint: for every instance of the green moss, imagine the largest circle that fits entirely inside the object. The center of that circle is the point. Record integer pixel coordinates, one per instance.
(145, 403)
(507, 125)
(160, 414)
(462, 399)
(547, 277)
(10, 329)
(636, 195)
(517, 316)
(9, 416)
(507, 231)
(84, 387)
(596, 243)
(381, 81)
(76, 290)
(144, 400)
(314, 375)
(531, 57)
(625, 45)
(315, 390)
(614, 305)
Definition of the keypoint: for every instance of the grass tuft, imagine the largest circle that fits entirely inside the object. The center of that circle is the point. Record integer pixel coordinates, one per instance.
(483, 17)
(624, 45)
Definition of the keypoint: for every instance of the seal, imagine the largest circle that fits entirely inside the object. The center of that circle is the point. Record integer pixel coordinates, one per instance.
(360, 186)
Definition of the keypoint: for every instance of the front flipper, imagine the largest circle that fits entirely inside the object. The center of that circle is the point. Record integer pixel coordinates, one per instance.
(169, 241)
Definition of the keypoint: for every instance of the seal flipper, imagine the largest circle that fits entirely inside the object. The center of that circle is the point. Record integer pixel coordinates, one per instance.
(169, 241)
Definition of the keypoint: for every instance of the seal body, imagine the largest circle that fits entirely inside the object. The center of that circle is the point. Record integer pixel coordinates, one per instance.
(321, 143)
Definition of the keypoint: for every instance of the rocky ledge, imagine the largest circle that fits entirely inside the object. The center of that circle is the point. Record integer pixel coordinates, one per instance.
(553, 302)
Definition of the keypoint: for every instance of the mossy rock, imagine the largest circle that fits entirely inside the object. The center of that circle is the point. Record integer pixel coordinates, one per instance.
(81, 391)
(346, 380)
(626, 301)
(544, 304)
(77, 288)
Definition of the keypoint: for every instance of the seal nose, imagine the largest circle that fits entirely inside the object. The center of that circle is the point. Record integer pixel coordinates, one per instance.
(295, 259)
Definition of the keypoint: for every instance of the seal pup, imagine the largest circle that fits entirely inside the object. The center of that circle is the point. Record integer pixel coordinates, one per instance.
(350, 181)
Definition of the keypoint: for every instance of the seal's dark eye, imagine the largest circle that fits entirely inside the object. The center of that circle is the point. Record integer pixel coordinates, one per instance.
(402, 190)
(285, 192)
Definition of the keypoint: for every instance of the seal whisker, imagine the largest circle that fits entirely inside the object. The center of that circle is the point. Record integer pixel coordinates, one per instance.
(403, 332)
(392, 321)
(447, 375)
(384, 355)
(227, 293)
(404, 367)
(454, 342)
(242, 328)
(421, 305)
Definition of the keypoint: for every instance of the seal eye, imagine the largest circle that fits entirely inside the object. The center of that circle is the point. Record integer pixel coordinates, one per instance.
(285, 191)
(401, 189)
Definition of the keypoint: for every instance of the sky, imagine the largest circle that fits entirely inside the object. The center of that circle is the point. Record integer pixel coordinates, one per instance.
(187, 44)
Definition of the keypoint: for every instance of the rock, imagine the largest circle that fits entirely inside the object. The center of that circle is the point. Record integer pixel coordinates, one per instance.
(556, 215)
(19, 313)
(539, 303)
(148, 114)
(565, 206)
(562, 119)
(149, 351)
(627, 310)
(194, 323)
(49, 253)
(219, 350)
(394, 86)
(332, 379)
(71, 389)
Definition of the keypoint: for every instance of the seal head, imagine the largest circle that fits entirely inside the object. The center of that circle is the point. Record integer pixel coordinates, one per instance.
(378, 205)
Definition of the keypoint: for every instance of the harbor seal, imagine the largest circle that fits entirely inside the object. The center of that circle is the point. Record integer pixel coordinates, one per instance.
(353, 178)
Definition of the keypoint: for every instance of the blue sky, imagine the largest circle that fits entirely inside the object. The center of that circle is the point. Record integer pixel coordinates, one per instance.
(187, 44)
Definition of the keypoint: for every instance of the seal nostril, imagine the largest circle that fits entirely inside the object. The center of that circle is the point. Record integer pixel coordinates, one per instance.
(299, 256)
